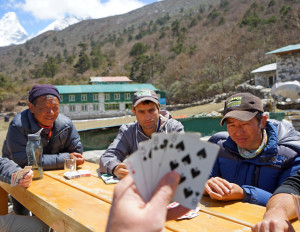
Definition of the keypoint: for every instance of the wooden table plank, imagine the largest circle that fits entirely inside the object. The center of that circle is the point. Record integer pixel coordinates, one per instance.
(247, 212)
(92, 185)
(61, 206)
(206, 223)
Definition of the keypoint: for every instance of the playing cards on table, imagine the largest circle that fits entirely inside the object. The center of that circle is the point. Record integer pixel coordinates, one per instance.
(185, 153)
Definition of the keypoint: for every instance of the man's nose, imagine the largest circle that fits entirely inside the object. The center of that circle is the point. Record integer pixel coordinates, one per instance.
(148, 114)
(239, 130)
(50, 111)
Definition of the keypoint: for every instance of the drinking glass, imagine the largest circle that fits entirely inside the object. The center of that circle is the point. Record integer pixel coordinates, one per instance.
(70, 165)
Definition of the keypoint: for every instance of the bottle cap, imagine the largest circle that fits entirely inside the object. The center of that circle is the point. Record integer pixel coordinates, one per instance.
(36, 136)
(32, 137)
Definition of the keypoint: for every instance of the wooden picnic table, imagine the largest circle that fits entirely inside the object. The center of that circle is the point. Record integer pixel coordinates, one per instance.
(83, 204)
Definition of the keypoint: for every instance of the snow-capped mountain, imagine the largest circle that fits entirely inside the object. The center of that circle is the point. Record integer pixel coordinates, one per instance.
(11, 31)
(60, 24)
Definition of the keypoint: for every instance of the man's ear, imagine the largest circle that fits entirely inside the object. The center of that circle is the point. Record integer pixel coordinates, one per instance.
(263, 121)
(133, 110)
(31, 107)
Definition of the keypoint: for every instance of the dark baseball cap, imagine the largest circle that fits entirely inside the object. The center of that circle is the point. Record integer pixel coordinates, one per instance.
(144, 95)
(40, 90)
(242, 106)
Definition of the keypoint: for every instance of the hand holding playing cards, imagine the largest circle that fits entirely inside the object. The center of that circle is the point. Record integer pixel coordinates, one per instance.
(26, 181)
(78, 157)
(129, 212)
(220, 189)
(120, 171)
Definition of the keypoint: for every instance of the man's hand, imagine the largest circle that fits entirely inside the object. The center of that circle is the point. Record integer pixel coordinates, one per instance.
(78, 157)
(276, 218)
(217, 186)
(273, 225)
(129, 212)
(220, 189)
(120, 171)
(26, 181)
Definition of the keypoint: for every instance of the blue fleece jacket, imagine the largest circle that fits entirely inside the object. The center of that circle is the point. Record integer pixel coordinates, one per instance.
(260, 176)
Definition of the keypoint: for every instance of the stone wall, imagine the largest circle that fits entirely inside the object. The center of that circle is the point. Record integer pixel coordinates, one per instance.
(288, 67)
(263, 78)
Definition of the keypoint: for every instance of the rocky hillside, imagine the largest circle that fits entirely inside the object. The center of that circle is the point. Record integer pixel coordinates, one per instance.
(189, 49)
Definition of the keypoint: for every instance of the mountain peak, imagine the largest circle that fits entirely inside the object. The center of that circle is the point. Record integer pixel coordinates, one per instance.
(11, 31)
(61, 24)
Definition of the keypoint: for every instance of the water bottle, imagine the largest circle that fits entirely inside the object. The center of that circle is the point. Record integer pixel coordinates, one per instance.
(34, 151)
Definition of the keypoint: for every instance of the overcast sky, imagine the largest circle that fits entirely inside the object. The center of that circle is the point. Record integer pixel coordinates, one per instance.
(35, 15)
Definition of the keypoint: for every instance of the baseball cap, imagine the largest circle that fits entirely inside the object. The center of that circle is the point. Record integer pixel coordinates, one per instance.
(40, 90)
(143, 95)
(242, 106)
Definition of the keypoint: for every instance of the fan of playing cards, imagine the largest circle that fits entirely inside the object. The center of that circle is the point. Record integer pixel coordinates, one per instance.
(185, 153)
(17, 176)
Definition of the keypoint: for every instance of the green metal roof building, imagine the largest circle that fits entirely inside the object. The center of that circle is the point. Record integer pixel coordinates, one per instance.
(97, 101)
(288, 63)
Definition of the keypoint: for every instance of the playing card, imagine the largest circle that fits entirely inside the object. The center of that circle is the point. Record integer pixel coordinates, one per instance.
(145, 156)
(195, 164)
(191, 214)
(109, 179)
(159, 145)
(173, 154)
(13, 177)
(133, 163)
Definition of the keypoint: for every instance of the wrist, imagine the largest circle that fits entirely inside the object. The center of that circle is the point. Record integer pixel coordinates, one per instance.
(114, 170)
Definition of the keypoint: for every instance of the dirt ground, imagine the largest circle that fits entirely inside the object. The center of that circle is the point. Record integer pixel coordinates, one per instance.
(81, 125)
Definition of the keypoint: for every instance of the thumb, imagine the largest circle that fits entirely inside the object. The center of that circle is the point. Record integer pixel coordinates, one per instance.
(165, 190)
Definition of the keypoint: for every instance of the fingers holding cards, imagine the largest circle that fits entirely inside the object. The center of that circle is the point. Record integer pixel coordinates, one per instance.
(19, 175)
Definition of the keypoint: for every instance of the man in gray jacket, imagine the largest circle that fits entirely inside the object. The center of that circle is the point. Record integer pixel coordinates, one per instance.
(59, 137)
(149, 120)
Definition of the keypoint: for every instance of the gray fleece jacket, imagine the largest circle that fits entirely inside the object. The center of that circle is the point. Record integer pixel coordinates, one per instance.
(128, 138)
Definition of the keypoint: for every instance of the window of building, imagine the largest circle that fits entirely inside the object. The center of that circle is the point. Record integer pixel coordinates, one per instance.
(96, 97)
(158, 95)
(127, 96)
(107, 97)
(72, 108)
(112, 106)
(61, 98)
(84, 108)
(71, 98)
(96, 107)
(128, 106)
(117, 96)
(83, 97)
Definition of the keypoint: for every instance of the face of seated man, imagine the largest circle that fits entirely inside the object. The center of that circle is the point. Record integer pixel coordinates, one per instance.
(147, 115)
(246, 134)
(45, 109)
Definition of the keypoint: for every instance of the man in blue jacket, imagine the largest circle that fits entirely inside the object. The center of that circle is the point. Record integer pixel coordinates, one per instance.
(59, 137)
(256, 155)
